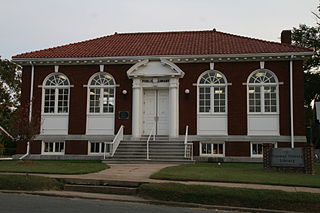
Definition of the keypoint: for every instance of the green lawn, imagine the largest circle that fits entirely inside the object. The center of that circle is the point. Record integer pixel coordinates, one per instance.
(28, 182)
(212, 195)
(237, 172)
(52, 167)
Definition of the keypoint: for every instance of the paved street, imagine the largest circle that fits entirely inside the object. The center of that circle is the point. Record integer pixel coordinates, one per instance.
(17, 203)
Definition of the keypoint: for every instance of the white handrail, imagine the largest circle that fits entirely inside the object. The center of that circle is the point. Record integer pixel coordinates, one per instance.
(153, 130)
(186, 141)
(116, 141)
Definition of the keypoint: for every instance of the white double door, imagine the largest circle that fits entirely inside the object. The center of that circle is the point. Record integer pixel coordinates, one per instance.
(156, 111)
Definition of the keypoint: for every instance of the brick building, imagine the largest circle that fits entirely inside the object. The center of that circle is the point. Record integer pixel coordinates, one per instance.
(233, 93)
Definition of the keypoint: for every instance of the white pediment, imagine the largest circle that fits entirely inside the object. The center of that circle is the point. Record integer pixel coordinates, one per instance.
(161, 68)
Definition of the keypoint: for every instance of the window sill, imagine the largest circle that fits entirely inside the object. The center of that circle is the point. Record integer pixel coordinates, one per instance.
(211, 155)
(53, 153)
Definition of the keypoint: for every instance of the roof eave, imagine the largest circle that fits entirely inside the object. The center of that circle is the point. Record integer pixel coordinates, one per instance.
(174, 58)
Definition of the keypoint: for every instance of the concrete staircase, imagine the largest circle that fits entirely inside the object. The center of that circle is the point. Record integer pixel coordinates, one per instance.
(100, 186)
(160, 150)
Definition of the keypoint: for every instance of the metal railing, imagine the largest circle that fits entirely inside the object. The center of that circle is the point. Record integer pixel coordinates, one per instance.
(115, 143)
(186, 141)
(188, 147)
(152, 132)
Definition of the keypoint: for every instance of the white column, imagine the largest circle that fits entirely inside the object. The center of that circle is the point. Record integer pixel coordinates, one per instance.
(173, 108)
(291, 104)
(31, 92)
(136, 107)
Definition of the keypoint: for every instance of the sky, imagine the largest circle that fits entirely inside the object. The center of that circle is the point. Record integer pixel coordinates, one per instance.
(28, 25)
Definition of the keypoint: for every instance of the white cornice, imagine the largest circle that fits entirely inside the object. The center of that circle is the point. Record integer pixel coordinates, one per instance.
(171, 58)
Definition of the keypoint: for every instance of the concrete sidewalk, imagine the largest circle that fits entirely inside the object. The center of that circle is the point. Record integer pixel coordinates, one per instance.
(142, 172)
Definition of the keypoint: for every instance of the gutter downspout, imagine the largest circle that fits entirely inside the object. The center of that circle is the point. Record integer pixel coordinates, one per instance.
(30, 109)
(291, 103)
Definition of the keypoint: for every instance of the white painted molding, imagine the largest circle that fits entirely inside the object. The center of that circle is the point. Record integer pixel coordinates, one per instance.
(136, 66)
(101, 68)
(261, 64)
(204, 85)
(212, 66)
(253, 84)
(174, 67)
(103, 86)
(41, 86)
(56, 68)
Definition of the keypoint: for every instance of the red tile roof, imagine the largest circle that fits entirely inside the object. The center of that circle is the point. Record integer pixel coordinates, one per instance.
(208, 42)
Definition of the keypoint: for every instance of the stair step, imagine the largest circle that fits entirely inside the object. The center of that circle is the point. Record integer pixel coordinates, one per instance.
(137, 161)
(101, 189)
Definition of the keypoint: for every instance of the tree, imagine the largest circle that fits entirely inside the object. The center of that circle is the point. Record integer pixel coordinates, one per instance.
(309, 36)
(10, 78)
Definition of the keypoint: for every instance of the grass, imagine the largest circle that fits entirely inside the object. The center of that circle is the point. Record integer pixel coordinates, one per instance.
(213, 195)
(237, 172)
(28, 182)
(52, 167)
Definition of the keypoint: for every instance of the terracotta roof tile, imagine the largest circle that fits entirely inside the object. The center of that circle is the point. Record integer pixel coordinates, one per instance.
(164, 43)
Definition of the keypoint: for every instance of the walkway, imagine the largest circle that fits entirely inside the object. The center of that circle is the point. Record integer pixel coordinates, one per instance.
(142, 172)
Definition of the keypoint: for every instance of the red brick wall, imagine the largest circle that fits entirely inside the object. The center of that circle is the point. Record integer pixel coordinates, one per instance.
(76, 147)
(35, 147)
(236, 73)
(237, 149)
(79, 76)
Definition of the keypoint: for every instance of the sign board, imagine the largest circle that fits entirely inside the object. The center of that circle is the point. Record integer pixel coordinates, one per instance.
(287, 157)
(123, 115)
(318, 110)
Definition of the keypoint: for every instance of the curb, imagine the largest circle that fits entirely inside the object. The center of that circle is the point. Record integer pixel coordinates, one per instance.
(147, 201)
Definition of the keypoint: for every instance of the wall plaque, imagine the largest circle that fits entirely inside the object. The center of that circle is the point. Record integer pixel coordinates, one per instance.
(123, 115)
(287, 157)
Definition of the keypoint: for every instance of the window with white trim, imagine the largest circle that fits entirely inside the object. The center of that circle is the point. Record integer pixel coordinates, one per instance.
(101, 94)
(212, 92)
(99, 147)
(214, 149)
(56, 94)
(257, 149)
(53, 147)
(262, 92)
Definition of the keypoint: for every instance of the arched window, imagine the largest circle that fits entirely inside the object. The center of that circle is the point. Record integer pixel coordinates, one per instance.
(101, 93)
(56, 94)
(263, 92)
(212, 92)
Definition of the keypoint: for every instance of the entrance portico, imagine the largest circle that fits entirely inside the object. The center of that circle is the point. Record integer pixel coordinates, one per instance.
(155, 98)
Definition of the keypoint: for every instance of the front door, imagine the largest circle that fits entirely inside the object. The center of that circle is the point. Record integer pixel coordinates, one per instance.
(156, 111)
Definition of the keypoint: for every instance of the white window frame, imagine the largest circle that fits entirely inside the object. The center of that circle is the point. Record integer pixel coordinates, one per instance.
(262, 93)
(212, 86)
(101, 144)
(260, 155)
(56, 95)
(101, 87)
(54, 146)
(212, 155)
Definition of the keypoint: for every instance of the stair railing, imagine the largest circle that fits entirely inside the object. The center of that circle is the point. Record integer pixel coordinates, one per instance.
(152, 132)
(116, 141)
(188, 147)
(186, 142)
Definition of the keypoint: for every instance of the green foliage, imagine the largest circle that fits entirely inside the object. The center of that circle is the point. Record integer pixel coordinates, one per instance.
(214, 195)
(10, 79)
(53, 167)
(237, 172)
(28, 182)
(307, 36)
